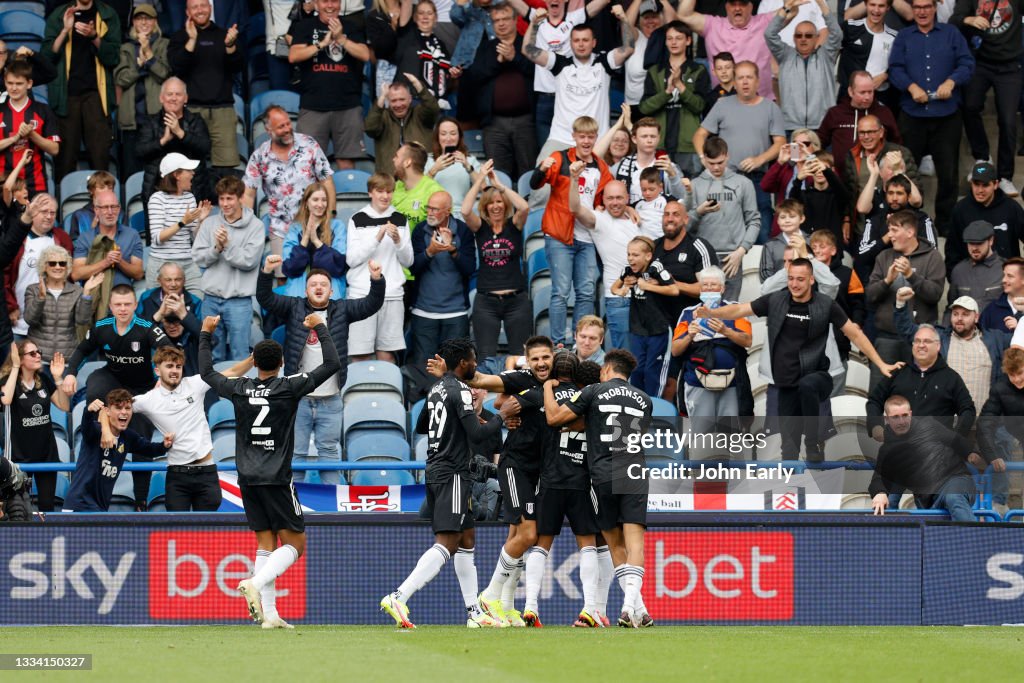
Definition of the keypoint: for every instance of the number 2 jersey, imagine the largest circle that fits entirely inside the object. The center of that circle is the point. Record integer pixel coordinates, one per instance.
(616, 414)
(451, 422)
(265, 412)
(564, 461)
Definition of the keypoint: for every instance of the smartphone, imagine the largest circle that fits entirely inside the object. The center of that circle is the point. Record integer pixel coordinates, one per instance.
(796, 151)
(450, 149)
(712, 203)
(660, 154)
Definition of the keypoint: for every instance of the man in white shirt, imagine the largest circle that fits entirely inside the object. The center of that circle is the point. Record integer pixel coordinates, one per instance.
(175, 407)
(582, 81)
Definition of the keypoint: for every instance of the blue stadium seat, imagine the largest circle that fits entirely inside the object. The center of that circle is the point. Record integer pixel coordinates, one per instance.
(414, 416)
(351, 181)
(133, 203)
(663, 408)
(74, 194)
(523, 184)
(59, 420)
(157, 486)
(421, 449)
(34, 6)
(474, 142)
(278, 334)
(19, 24)
(370, 145)
(77, 415)
(243, 150)
(123, 498)
(533, 223)
(87, 369)
(373, 413)
(537, 264)
(541, 303)
(63, 450)
(137, 222)
(372, 446)
(504, 179)
(223, 448)
(373, 379)
(222, 414)
(381, 478)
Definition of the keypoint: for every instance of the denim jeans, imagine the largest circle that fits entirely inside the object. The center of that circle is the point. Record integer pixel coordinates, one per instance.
(651, 362)
(616, 315)
(1005, 446)
(320, 417)
(764, 206)
(957, 497)
(544, 112)
(572, 267)
(428, 333)
(235, 326)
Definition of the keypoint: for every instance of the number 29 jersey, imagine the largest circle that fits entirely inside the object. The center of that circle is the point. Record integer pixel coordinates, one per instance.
(448, 447)
(616, 414)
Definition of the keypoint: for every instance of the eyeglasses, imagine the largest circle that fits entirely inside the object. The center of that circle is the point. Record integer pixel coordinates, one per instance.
(804, 35)
(869, 131)
(926, 341)
(109, 207)
(436, 209)
(57, 264)
(34, 353)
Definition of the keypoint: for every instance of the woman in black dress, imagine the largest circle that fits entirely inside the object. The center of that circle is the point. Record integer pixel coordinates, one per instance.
(26, 399)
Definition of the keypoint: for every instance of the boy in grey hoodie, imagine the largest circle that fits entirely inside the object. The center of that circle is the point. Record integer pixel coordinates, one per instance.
(229, 245)
(723, 210)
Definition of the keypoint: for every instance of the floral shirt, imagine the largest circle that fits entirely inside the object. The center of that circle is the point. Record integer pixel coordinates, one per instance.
(283, 182)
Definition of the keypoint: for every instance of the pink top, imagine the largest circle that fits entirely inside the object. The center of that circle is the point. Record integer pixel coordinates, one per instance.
(745, 44)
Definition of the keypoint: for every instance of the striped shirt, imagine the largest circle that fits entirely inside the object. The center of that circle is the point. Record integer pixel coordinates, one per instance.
(165, 210)
(971, 360)
(41, 118)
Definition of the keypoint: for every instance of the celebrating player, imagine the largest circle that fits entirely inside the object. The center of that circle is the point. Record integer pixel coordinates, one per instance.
(265, 410)
(616, 414)
(451, 423)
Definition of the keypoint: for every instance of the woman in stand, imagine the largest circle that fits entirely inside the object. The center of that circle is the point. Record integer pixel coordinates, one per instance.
(501, 295)
(27, 395)
(315, 240)
(450, 163)
(56, 306)
(174, 218)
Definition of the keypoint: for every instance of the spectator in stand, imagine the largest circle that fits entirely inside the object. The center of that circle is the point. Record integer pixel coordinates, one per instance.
(789, 214)
(501, 295)
(82, 39)
(739, 32)
(986, 202)
(207, 58)
(382, 22)
(713, 352)
(850, 295)
(56, 306)
(929, 61)
(590, 339)
(999, 417)
(174, 218)
(676, 93)
(450, 163)
(807, 84)
(331, 53)
(995, 36)
(898, 194)
(628, 169)
(173, 129)
(379, 234)
(724, 66)
(867, 42)
(414, 188)
(179, 336)
(502, 78)
(646, 17)
(27, 395)
(583, 67)
(315, 240)
(229, 247)
(1005, 312)
(85, 218)
(169, 298)
(980, 276)
(26, 127)
(570, 249)
(444, 259)
(319, 412)
(142, 69)
(23, 271)
(752, 126)
(556, 21)
(228, 12)
(43, 70)
(280, 15)
(782, 175)
(871, 147)
(617, 141)
(422, 53)
(473, 19)
(839, 129)
(283, 167)
(908, 262)
(921, 455)
(826, 204)
(723, 209)
(394, 121)
(16, 227)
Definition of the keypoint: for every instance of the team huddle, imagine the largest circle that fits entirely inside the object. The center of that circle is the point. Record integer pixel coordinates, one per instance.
(565, 456)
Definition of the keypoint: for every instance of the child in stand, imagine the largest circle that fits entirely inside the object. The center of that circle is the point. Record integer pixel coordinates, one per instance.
(643, 280)
(850, 296)
(651, 205)
(789, 214)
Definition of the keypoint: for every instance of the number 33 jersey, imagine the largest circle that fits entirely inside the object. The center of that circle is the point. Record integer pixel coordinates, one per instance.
(616, 414)
(265, 432)
(448, 449)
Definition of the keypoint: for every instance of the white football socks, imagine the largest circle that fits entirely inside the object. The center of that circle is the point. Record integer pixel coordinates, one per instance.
(275, 565)
(465, 570)
(605, 573)
(268, 596)
(426, 569)
(508, 591)
(589, 573)
(534, 576)
(502, 571)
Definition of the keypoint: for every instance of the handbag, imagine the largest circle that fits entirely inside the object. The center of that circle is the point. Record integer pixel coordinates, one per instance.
(703, 359)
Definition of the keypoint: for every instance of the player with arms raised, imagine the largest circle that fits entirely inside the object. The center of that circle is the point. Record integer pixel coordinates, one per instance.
(451, 423)
(265, 410)
(616, 414)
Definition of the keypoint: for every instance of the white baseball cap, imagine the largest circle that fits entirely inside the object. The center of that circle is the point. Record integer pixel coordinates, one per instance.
(176, 162)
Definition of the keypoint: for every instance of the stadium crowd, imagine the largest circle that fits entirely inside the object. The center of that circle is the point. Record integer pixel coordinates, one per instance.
(704, 185)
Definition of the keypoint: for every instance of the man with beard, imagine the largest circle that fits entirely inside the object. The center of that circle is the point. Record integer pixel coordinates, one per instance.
(981, 275)
(986, 202)
(414, 188)
(175, 406)
(394, 120)
(899, 195)
(283, 167)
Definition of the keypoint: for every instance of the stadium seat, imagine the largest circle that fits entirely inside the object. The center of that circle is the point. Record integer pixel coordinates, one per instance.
(474, 140)
(223, 448)
(372, 446)
(259, 103)
(74, 193)
(662, 408)
(533, 223)
(222, 414)
(373, 379)
(63, 450)
(61, 492)
(240, 126)
(751, 287)
(504, 179)
(381, 478)
(133, 203)
(34, 6)
(77, 416)
(414, 416)
(848, 412)
(351, 181)
(752, 260)
(857, 378)
(123, 497)
(279, 334)
(243, 151)
(421, 449)
(59, 420)
(157, 487)
(137, 222)
(373, 413)
(523, 184)
(758, 333)
(537, 265)
(20, 24)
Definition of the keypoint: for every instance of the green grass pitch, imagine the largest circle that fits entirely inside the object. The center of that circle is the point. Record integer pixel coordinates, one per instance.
(459, 655)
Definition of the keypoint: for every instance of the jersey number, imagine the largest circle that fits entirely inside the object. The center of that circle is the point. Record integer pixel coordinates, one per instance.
(257, 425)
(614, 421)
(438, 417)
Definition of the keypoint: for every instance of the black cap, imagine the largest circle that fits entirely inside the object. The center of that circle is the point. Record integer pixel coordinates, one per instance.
(171, 318)
(984, 172)
(978, 231)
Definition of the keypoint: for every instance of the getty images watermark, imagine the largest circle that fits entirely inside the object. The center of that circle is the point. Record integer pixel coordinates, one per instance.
(687, 441)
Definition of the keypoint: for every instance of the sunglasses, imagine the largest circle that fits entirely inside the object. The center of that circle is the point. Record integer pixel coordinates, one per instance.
(34, 353)
(57, 264)
(804, 35)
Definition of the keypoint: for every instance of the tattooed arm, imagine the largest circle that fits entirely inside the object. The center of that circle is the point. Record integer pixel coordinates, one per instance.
(628, 36)
(535, 54)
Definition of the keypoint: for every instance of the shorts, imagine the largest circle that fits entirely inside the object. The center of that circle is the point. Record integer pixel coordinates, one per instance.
(272, 507)
(615, 509)
(382, 331)
(449, 505)
(554, 505)
(344, 127)
(221, 123)
(519, 493)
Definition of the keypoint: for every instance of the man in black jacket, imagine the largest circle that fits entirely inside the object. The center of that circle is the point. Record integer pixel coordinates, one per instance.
(502, 79)
(990, 204)
(925, 457)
